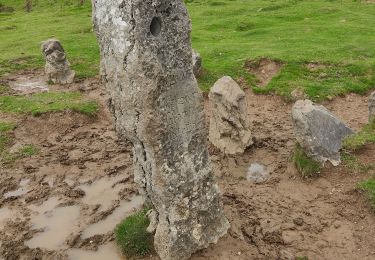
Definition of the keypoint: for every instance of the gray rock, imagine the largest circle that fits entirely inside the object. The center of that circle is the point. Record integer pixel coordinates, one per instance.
(318, 131)
(197, 63)
(229, 122)
(257, 173)
(371, 106)
(156, 104)
(57, 66)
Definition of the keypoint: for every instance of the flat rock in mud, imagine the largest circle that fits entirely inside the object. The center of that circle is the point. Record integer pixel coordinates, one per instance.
(28, 84)
(318, 131)
(229, 122)
(371, 106)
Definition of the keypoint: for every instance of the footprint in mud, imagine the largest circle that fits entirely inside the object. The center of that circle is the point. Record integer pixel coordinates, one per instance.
(110, 222)
(57, 224)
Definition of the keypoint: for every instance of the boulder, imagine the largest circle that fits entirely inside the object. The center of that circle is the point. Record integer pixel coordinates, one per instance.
(229, 122)
(146, 64)
(57, 66)
(197, 63)
(318, 131)
(371, 106)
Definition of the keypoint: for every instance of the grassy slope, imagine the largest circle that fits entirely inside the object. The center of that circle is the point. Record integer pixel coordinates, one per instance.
(226, 33)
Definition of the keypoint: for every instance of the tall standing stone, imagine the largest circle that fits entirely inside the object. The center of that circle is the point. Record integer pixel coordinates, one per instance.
(146, 65)
(371, 106)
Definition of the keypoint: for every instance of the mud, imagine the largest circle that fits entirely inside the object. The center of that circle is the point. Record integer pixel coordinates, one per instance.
(61, 215)
(264, 69)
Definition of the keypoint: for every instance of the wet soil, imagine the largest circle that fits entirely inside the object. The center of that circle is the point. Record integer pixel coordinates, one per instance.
(81, 183)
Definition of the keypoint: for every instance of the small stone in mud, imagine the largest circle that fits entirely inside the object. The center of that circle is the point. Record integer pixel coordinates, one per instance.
(318, 131)
(298, 221)
(371, 106)
(257, 173)
(57, 66)
(76, 193)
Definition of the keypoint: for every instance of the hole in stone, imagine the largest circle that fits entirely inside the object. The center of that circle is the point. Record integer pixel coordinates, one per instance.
(155, 26)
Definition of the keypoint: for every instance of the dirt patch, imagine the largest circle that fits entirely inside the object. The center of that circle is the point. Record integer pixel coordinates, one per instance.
(264, 69)
(314, 66)
(285, 216)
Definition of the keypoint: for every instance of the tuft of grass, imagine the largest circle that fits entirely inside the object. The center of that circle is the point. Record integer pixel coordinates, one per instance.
(3, 89)
(352, 162)
(132, 236)
(362, 138)
(28, 150)
(41, 103)
(306, 166)
(369, 187)
(5, 135)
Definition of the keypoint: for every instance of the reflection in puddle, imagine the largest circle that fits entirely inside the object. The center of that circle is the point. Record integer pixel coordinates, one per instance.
(108, 251)
(109, 223)
(103, 192)
(19, 192)
(57, 224)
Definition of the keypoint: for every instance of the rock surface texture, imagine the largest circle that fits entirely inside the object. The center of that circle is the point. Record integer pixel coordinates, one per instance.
(229, 122)
(318, 131)
(146, 65)
(57, 66)
(371, 106)
(197, 63)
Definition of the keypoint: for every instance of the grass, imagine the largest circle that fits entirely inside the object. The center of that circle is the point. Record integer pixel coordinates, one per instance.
(362, 138)
(132, 236)
(227, 33)
(3, 89)
(40, 103)
(369, 187)
(28, 150)
(353, 163)
(5, 135)
(306, 166)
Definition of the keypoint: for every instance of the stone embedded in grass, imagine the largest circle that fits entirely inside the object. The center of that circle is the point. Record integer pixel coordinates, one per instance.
(197, 63)
(318, 131)
(146, 62)
(57, 66)
(229, 122)
(371, 106)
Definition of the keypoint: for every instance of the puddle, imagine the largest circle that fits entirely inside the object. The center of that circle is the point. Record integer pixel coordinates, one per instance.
(108, 251)
(29, 84)
(102, 192)
(57, 225)
(257, 173)
(20, 191)
(5, 215)
(109, 223)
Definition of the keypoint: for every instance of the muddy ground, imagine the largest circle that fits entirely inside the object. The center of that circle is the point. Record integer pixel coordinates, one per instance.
(64, 202)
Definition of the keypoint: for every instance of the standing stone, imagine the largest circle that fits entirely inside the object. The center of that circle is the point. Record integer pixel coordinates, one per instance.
(154, 97)
(229, 123)
(197, 63)
(57, 66)
(318, 131)
(371, 106)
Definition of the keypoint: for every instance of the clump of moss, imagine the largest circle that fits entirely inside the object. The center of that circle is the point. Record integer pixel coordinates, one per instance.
(306, 166)
(369, 187)
(362, 138)
(132, 236)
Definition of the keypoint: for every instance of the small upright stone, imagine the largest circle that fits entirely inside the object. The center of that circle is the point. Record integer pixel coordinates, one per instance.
(318, 131)
(371, 106)
(229, 123)
(57, 66)
(197, 63)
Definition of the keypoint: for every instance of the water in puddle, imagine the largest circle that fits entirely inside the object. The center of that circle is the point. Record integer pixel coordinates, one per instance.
(103, 192)
(57, 224)
(20, 191)
(108, 251)
(29, 84)
(109, 223)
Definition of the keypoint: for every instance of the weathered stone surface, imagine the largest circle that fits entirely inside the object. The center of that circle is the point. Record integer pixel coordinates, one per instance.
(318, 131)
(257, 173)
(146, 64)
(57, 66)
(197, 63)
(229, 122)
(371, 106)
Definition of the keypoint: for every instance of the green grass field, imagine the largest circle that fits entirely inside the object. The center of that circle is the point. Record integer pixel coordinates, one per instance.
(227, 33)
